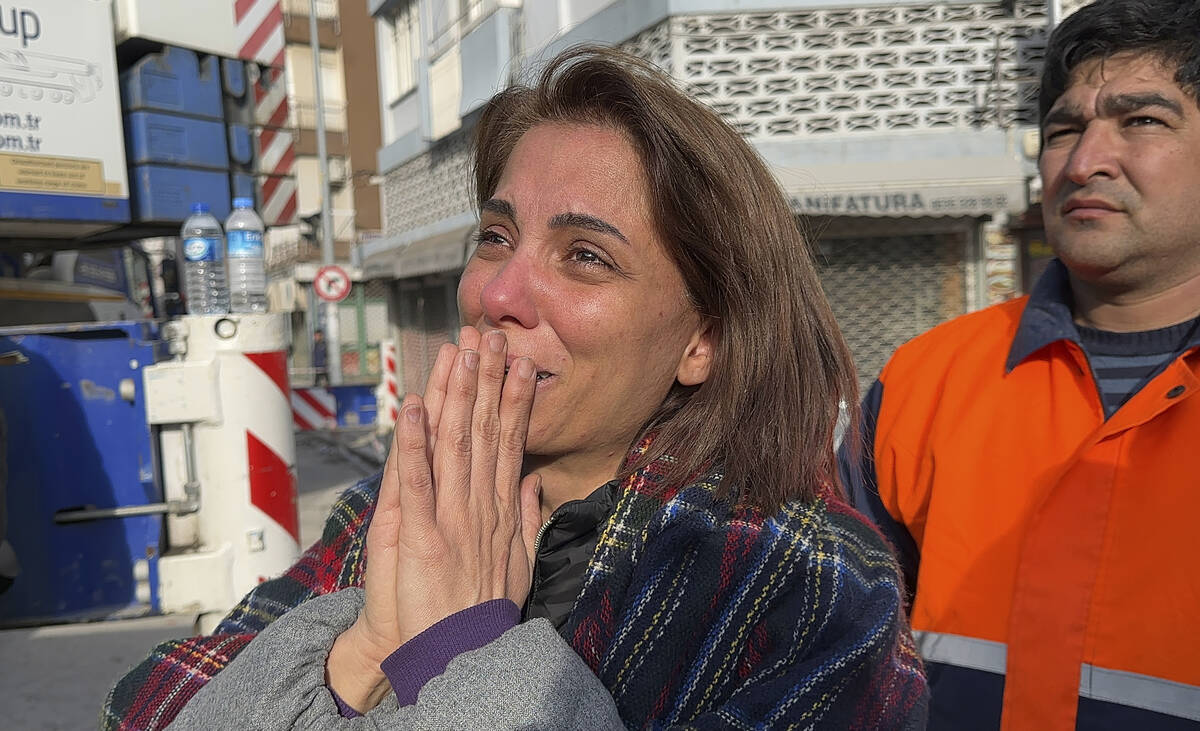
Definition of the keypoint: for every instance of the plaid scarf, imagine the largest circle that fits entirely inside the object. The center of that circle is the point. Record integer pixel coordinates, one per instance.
(693, 613)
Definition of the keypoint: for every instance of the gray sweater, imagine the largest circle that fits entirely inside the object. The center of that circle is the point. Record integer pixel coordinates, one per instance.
(528, 679)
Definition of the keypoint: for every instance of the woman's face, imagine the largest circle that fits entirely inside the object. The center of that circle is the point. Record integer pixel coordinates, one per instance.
(569, 265)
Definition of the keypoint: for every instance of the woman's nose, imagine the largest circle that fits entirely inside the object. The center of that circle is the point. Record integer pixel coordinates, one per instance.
(508, 297)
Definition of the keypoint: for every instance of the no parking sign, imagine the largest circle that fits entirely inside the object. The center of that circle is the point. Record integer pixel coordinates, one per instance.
(332, 283)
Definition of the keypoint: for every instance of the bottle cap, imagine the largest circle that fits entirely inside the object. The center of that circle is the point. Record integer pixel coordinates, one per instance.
(243, 202)
(199, 208)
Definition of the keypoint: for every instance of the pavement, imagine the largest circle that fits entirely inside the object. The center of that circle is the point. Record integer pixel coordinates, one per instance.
(56, 677)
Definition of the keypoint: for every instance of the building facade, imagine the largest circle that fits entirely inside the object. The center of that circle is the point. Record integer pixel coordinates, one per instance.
(904, 134)
(350, 91)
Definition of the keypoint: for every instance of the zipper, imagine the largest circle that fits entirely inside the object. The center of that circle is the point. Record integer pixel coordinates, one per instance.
(535, 579)
(537, 549)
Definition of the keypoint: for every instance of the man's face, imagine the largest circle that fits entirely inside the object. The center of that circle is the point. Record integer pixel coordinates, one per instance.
(1120, 171)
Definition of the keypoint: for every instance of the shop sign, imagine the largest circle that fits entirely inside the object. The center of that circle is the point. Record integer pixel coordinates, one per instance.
(914, 202)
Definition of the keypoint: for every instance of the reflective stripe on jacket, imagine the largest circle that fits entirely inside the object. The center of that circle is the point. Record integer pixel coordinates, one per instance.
(1058, 580)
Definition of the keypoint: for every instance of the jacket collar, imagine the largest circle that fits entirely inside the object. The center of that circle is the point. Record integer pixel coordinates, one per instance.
(1047, 316)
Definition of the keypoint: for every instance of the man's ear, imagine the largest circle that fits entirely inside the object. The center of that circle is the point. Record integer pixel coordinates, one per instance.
(696, 362)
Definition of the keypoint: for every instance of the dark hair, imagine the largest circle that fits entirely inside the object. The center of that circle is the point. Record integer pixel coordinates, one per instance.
(1168, 29)
(767, 412)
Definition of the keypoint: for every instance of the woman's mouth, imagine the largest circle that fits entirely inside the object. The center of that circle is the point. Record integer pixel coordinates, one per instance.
(541, 375)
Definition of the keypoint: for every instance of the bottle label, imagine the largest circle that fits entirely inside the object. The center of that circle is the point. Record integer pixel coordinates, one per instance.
(200, 248)
(245, 244)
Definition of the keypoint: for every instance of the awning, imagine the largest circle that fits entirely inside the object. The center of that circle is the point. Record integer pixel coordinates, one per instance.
(851, 190)
(951, 173)
(439, 247)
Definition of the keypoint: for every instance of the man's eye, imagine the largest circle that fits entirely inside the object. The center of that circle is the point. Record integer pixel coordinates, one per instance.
(1143, 121)
(1059, 134)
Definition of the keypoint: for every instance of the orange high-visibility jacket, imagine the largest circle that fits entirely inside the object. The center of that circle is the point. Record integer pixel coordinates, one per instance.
(1056, 554)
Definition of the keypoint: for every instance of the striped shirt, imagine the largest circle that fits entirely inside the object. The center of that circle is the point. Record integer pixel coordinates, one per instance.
(1124, 362)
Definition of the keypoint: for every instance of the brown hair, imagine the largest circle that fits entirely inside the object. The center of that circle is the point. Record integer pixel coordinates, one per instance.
(767, 412)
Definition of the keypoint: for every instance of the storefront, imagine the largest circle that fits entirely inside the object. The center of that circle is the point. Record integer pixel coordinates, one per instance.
(899, 256)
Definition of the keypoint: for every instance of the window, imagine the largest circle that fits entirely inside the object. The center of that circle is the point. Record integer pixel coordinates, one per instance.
(303, 95)
(401, 48)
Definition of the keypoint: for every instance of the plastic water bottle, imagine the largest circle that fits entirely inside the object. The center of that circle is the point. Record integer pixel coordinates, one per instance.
(247, 278)
(204, 263)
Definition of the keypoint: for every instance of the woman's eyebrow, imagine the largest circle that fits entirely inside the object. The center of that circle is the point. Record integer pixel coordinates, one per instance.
(501, 207)
(589, 223)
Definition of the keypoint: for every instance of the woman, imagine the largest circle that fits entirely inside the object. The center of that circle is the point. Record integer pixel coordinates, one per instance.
(632, 444)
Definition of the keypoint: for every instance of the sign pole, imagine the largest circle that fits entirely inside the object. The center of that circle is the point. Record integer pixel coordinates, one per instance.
(333, 340)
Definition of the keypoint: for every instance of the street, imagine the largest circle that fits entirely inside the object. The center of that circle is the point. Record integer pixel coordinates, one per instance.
(56, 677)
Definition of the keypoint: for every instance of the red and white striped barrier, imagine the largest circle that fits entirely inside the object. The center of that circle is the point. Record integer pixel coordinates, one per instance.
(272, 477)
(387, 396)
(276, 149)
(259, 31)
(260, 39)
(314, 408)
(276, 179)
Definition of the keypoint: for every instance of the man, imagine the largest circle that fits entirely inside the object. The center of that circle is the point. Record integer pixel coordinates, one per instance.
(1037, 464)
(319, 359)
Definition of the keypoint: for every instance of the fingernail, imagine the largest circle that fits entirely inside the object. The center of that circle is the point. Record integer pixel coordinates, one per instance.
(524, 367)
(471, 360)
(495, 341)
(412, 413)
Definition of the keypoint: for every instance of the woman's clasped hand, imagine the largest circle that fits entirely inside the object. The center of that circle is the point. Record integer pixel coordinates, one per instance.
(456, 522)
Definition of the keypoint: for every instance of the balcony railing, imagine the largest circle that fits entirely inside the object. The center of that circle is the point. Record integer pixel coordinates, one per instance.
(303, 115)
(473, 13)
(326, 9)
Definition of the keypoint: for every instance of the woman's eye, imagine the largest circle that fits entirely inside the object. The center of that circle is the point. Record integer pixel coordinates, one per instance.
(589, 258)
(488, 237)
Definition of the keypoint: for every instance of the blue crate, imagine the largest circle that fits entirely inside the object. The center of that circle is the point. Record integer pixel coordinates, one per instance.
(73, 441)
(242, 185)
(233, 77)
(45, 207)
(163, 194)
(154, 137)
(241, 145)
(174, 80)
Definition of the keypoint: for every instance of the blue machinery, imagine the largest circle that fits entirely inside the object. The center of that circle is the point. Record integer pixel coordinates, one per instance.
(78, 440)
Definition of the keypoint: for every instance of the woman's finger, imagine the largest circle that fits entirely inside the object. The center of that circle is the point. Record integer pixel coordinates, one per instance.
(418, 507)
(439, 377)
(485, 423)
(468, 337)
(522, 553)
(452, 455)
(516, 401)
(531, 513)
(377, 619)
(435, 391)
(389, 486)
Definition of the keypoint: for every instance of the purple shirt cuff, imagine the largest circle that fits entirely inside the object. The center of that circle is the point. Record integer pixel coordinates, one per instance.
(426, 656)
(343, 707)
